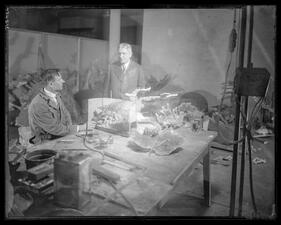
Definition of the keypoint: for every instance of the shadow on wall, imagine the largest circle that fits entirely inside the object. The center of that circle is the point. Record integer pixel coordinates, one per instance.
(211, 99)
(158, 79)
(160, 82)
(93, 77)
(13, 39)
(91, 84)
(44, 59)
(15, 67)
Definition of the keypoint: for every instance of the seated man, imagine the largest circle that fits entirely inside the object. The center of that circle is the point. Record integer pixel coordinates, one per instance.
(47, 114)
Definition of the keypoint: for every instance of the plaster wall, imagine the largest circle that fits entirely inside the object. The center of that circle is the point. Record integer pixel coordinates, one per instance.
(192, 45)
(22, 52)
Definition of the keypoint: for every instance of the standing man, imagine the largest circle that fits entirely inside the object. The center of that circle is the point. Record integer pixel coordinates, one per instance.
(125, 75)
(47, 115)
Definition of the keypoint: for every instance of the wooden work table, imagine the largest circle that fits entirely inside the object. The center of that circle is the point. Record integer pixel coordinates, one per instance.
(150, 186)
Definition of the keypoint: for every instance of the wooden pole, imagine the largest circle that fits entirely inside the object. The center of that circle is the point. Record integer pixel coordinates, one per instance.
(237, 116)
(249, 65)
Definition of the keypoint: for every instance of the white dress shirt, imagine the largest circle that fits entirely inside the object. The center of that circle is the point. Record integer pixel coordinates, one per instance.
(51, 95)
(125, 66)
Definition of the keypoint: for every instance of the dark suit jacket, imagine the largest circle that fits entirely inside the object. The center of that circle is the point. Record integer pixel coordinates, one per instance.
(120, 83)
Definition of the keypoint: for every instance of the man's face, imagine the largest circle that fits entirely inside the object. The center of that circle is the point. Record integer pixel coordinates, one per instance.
(124, 55)
(57, 84)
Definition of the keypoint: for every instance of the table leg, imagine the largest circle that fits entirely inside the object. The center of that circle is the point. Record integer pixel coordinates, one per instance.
(206, 178)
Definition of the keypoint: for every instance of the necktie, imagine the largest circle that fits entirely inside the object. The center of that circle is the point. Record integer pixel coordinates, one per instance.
(123, 68)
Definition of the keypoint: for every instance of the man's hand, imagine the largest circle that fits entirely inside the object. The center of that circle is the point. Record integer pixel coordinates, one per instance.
(136, 93)
(91, 126)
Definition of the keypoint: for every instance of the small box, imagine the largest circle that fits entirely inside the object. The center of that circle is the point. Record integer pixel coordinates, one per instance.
(251, 82)
(38, 172)
(72, 176)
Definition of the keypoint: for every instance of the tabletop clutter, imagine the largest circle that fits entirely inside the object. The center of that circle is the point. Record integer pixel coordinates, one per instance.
(68, 174)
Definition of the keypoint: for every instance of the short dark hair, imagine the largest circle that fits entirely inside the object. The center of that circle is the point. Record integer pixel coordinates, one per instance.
(49, 75)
